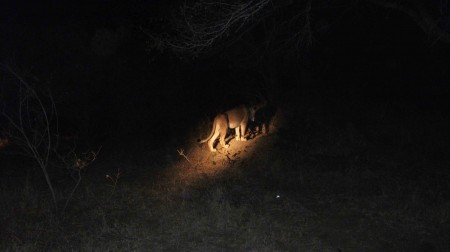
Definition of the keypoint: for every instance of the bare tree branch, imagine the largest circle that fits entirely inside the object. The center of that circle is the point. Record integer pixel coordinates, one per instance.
(287, 27)
(199, 25)
(417, 12)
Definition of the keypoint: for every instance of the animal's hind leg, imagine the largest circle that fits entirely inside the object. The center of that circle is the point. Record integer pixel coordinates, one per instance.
(223, 133)
(212, 140)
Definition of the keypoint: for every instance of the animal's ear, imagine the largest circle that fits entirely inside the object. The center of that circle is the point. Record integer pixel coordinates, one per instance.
(258, 100)
(260, 104)
(264, 103)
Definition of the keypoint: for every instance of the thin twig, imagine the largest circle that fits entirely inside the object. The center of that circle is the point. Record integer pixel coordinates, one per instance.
(181, 153)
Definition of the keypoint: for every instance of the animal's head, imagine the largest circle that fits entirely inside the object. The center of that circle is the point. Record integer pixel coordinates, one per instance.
(252, 109)
(255, 107)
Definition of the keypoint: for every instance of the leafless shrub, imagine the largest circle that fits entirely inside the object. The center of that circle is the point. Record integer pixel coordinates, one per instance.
(32, 125)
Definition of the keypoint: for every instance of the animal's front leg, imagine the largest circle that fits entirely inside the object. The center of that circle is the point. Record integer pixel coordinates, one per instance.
(243, 129)
(238, 134)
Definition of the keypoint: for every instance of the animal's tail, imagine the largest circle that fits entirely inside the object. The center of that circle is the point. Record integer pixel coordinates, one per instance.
(210, 135)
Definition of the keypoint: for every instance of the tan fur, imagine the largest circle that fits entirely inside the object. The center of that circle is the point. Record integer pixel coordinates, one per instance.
(236, 118)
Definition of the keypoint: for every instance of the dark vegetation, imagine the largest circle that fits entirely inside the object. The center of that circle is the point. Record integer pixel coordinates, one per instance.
(356, 155)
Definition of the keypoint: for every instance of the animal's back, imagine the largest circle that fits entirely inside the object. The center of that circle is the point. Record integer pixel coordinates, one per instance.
(236, 116)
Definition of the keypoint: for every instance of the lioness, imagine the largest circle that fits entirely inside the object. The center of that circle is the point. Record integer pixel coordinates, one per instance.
(236, 118)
